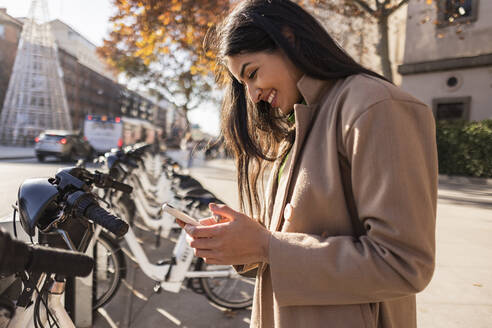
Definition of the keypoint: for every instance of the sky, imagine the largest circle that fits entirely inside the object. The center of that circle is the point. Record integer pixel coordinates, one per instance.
(88, 17)
(91, 19)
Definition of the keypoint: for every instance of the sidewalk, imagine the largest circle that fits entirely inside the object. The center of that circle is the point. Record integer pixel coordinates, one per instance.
(7, 152)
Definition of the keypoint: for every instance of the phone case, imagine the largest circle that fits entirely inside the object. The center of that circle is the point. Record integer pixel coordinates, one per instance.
(180, 215)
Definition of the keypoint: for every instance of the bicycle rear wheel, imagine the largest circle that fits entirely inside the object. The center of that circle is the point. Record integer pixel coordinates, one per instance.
(234, 292)
(109, 269)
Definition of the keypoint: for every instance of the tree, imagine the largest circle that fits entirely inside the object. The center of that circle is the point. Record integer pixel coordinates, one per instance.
(378, 11)
(160, 44)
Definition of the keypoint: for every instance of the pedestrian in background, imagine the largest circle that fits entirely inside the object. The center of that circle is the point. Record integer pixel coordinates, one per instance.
(187, 145)
(344, 234)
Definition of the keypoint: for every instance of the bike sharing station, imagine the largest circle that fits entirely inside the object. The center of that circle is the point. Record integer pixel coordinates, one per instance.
(96, 212)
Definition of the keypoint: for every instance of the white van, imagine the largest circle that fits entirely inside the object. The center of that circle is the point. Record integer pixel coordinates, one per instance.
(103, 132)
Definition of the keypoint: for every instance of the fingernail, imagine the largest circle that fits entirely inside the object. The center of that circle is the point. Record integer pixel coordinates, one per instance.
(212, 206)
(188, 228)
(217, 218)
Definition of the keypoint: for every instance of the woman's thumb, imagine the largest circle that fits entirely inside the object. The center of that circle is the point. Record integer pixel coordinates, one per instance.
(222, 210)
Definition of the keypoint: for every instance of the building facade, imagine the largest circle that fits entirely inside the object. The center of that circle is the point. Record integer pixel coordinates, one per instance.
(10, 30)
(77, 45)
(90, 87)
(448, 57)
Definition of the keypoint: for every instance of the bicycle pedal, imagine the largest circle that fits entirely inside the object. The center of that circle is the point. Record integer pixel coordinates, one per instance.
(157, 289)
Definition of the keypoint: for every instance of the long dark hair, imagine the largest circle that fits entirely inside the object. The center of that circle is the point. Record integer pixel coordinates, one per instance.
(255, 133)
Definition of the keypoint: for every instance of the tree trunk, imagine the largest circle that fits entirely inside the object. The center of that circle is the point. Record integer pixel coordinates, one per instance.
(184, 110)
(383, 46)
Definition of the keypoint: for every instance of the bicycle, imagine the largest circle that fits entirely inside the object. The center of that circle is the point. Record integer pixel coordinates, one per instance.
(64, 212)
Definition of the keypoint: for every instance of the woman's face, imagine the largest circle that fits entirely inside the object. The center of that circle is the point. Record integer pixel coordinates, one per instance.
(267, 76)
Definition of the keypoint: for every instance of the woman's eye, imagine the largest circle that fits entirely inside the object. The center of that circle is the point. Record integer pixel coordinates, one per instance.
(252, 74)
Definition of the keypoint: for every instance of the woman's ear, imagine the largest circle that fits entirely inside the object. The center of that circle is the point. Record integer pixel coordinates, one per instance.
(289, 35)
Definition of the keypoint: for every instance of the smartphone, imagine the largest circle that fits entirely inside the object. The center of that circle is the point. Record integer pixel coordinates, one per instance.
(180, 215)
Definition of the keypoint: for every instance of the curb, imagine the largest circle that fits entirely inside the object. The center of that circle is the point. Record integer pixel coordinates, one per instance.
(16, 157)
(443, 178)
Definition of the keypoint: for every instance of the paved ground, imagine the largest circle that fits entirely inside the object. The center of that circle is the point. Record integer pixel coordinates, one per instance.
(460, 293)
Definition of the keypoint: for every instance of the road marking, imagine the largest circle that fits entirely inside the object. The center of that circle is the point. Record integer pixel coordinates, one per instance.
(134, 291)
(247, 320)
(169, 316)
(218, 306)
(141, 227)
(106, 316)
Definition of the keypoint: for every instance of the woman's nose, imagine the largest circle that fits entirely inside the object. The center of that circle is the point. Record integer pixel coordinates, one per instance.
(254, 94)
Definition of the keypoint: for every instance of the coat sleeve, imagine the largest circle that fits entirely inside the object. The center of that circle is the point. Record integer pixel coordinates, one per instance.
(392, 152)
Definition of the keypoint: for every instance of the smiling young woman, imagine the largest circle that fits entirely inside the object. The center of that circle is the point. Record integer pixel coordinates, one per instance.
(344, 232)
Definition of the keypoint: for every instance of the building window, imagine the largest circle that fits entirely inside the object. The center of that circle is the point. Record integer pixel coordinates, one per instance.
(451, 108)
(456, 12)
(2, 31)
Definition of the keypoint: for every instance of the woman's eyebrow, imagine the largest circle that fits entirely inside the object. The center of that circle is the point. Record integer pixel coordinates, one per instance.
(243, 68)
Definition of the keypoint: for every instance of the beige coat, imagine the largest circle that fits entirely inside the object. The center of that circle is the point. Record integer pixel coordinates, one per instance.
(354, 211)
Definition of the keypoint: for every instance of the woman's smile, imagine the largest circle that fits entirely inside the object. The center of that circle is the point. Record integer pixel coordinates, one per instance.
(272, 97)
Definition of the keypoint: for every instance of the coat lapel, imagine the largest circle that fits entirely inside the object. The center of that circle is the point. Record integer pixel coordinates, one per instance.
(311, 91)
(271, 190)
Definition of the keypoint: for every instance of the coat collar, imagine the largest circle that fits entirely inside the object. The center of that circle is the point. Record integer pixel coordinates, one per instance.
(312, 89)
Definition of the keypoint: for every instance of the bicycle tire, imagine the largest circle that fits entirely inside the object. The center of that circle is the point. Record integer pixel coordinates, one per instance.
(234, 292)
(116, 270)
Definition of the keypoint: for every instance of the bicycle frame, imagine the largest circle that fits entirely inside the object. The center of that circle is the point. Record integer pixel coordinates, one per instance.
(170, 276)
(24, 317)
(165, 222)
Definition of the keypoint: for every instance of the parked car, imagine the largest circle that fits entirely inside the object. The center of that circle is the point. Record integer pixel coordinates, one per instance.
(65, 145)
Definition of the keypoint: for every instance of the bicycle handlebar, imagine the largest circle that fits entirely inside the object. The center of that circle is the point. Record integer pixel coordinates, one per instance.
(107, 220)
(85, 205)
(103, 180)
(16, 256)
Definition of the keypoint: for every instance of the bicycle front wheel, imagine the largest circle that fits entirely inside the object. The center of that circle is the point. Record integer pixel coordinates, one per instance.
(109, 269)
(234, 292)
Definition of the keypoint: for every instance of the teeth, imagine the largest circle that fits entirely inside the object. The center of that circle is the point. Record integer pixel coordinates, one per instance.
(272, 95)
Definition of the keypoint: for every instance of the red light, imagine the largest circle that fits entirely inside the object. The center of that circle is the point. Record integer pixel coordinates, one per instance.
(120, 143)
(117, 120)
(85, 138)
(63, 141)
(89, 117)
(36, 139)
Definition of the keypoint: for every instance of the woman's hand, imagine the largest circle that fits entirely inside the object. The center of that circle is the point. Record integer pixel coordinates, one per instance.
(235, 239)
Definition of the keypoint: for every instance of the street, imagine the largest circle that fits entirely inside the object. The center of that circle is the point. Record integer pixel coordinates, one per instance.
(459, 295)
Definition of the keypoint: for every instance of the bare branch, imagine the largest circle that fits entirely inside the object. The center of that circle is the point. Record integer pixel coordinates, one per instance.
(395, 8)
(365, 6)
